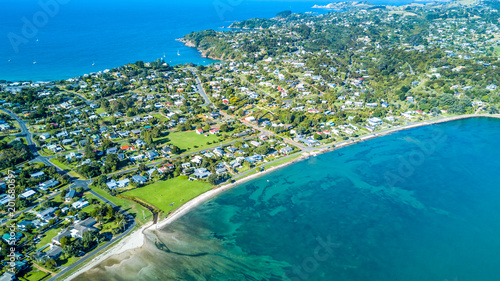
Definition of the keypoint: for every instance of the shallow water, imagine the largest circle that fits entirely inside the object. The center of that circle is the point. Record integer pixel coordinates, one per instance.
(421, 204)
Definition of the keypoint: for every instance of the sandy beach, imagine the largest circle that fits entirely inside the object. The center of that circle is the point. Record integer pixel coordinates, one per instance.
(136, 239)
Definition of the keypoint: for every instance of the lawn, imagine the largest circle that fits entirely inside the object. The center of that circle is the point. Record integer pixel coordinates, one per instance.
(282, 161)
(68, 261)
(35, 275)
(189, 139)
(100, 110)
(60, 165)
(132, 208)
(497, 50)
(47, 237)
(163, 193)
(160, 117)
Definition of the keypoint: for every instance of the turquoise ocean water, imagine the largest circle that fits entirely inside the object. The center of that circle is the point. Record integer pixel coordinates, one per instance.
(74, 37)
(422, 204)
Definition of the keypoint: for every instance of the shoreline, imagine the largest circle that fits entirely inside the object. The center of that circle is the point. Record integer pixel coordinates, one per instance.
(203, 53)
(136, 238)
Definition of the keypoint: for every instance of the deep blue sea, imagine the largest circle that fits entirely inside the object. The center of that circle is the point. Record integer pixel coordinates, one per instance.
(417, 205)
(74, 37)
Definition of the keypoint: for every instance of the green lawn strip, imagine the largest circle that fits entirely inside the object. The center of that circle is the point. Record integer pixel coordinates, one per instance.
(47, 237)
(282, 161)
(254, 171)
(99, 110)
(68, 261)
(130, 207)
(76, 175)
(35, 275)
(160, 117)
(60, 165)
(189, 139)
(163, 193)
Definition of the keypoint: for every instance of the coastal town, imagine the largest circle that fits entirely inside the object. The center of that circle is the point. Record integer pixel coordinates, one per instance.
(86, 161)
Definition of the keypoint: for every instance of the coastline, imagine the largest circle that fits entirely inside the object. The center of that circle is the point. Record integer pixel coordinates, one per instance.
(136, 238)
(203, 53)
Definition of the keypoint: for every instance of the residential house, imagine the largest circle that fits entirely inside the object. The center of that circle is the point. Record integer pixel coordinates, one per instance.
(48, 184)
(286, 150)
(151, 155)
(27, 194)
(166, 150)
(69, 196)
(201, 173)
(80, 204)
(112, 150)
(45, 136)
(37, 175)
(140, 143)
(374, 121)
(8, 237)
(82, 227)
(54, 252)
(118, 184)
(56, 240)
(139, 179)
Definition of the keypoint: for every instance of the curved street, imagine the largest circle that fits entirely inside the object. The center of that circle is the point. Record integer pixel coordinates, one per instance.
(76, 183)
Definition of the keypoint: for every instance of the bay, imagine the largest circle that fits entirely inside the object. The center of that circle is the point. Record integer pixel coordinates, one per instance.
(421, 204)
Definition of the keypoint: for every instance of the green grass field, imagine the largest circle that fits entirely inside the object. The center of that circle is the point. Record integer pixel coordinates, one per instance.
(35, 275)
(497, 50)
(163, 193)
(60, 165)
(282, 161)
(134, 209)
(47, 237)
(189, 139)
(160, 117)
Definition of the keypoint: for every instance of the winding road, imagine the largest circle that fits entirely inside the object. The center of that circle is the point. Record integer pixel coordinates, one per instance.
(76, 183)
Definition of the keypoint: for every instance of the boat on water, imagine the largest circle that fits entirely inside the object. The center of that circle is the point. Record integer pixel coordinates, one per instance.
(178, 53)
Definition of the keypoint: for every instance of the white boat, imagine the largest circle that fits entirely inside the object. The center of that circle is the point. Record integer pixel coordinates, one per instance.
(178, 53)
(34, 62)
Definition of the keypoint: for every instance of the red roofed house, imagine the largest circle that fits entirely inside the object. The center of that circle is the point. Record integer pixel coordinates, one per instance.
(199, 131)
(214, 131)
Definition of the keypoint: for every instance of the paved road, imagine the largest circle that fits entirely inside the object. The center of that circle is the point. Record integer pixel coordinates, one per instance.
(81, 97)
(256, 88)
(76, 183)
(199, 88)
(29, 139)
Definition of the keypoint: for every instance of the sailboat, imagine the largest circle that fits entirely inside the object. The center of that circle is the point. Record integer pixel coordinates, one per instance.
(93, 63)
